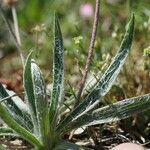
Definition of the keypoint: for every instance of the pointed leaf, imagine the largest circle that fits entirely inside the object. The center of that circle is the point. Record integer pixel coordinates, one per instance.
(114, 112)
(29, 91)
(16, 107)
(41, 102)
(7, 118)
(107, 80)
(7, 132)
(58, 72)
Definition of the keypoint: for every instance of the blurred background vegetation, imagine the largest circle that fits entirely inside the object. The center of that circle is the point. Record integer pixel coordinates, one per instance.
(35, 19)
(36, 27)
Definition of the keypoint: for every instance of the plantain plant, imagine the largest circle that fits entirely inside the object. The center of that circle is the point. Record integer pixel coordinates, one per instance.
(37, 118)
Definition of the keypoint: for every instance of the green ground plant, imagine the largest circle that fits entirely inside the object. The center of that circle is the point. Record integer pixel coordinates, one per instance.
(37, 120)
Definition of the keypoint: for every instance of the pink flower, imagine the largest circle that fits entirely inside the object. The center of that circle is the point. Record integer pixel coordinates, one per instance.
(86, 10)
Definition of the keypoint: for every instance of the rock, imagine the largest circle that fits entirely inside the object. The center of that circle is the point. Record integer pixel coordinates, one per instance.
(128, 146)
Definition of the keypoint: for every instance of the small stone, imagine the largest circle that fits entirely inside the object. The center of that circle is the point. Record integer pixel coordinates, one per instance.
(16, 142)
(79, 130)
(128, 146)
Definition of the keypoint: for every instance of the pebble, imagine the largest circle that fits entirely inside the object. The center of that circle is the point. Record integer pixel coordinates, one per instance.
(128, 146)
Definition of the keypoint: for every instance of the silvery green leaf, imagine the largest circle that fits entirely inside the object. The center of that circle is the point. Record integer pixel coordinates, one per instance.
(21, 131)
(17, 108)
(106, 81)
(58, 72)
(5, 131)
(113, 112)
(29, 91)
(41, 102)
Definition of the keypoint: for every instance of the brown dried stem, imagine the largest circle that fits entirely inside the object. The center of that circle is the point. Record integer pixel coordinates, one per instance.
(90, 51)
(15, 35)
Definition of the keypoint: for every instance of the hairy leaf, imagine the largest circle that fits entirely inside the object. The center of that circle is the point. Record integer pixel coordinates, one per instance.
(58, 72)
(17, 108)
(29, 91)
(106, 81)
(7, 118)
(41, 102)
(113, 112)
(4, 131)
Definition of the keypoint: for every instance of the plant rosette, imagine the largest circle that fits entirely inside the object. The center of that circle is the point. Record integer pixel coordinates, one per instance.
(38, 118)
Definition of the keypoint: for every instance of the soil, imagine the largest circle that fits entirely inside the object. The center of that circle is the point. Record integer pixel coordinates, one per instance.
(92, 137)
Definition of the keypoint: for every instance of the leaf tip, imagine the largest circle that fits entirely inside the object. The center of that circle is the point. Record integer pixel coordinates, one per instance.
(130, 25)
